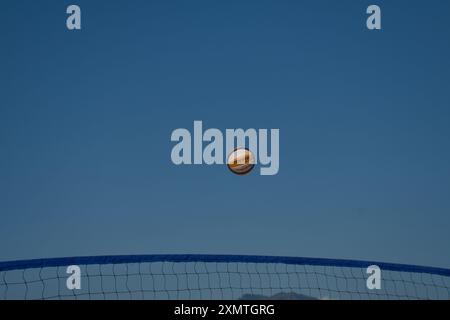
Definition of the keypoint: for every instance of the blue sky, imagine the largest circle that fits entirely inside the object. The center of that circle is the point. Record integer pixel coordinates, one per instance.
(86, 118)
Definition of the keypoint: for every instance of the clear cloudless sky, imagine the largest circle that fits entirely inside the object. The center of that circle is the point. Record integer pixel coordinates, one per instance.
(86, 118)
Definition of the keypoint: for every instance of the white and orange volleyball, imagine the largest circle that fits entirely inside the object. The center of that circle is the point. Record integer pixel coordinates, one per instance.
(241, 161)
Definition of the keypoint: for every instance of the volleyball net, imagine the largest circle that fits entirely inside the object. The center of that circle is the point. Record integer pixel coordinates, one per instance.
(216, 277)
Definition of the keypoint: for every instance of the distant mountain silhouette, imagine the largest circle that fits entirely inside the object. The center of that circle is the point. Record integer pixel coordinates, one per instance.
(278, 296)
